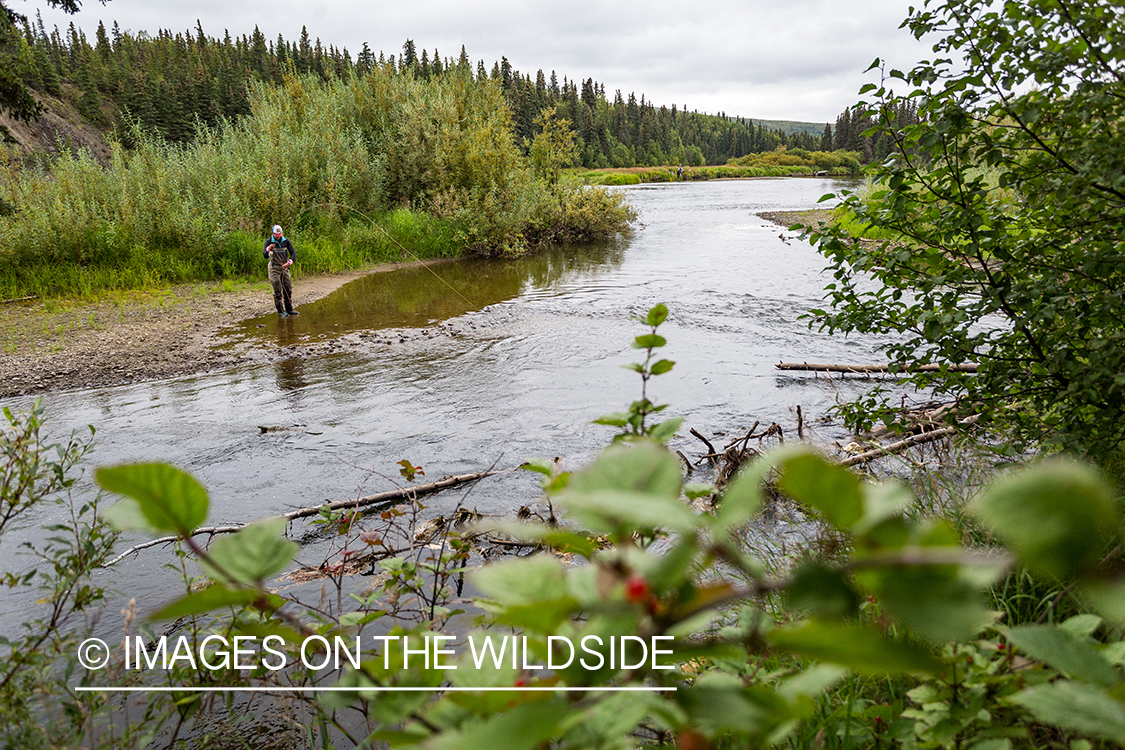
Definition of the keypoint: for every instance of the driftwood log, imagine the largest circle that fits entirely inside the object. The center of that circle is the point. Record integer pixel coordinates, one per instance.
(868, 369)
(919, 439)
(382, 497)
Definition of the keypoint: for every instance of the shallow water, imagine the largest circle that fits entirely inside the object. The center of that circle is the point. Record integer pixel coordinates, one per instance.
(533, 352)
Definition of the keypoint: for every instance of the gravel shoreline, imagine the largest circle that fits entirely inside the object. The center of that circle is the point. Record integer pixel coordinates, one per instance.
(56, 345)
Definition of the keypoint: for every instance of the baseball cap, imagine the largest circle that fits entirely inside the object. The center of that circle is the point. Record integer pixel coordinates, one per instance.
(277, 229)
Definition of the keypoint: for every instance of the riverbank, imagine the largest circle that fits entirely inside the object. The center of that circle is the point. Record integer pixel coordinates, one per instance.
(54, 345)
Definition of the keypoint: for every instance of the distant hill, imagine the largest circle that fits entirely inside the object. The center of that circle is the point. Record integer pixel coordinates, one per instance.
(789, 127)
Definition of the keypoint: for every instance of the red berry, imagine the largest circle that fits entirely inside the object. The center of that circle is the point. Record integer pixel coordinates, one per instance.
(637, 589)
(689, 739)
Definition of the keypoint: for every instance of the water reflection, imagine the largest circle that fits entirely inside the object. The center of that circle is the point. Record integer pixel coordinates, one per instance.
(422, 296)
(290, 375)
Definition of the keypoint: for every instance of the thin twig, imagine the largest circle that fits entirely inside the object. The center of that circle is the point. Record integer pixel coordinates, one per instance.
(381, 497)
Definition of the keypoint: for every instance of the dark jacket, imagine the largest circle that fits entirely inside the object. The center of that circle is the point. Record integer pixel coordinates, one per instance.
(283, 251)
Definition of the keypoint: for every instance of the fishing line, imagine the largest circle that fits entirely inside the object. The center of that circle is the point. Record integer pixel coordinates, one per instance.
(392, 239)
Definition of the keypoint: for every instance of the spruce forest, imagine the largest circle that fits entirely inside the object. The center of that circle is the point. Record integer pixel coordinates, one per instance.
(171, 83)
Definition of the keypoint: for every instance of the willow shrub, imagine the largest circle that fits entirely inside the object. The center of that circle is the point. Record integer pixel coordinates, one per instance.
(344, 165)
(1013, 198)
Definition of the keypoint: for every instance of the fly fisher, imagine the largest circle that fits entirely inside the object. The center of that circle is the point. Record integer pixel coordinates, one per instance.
(281, 254)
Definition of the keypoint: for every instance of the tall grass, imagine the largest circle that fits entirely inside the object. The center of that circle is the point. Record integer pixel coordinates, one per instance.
(355, 170)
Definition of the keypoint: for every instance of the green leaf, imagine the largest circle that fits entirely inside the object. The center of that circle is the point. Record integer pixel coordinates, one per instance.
(812, 682)
(206, 600)
(861, 649)
(1108, 597)
(657, 315)
(617, 419)
(664, 430)
(251, 555)
(127, 516)
(696, 490)
(630, 487)
(661, 367)
(821, 591)
(644, 467)
(1065, 652)
(742, 498)
(1083, 626)
(719, 702)
(670, 571)
(833, 490)
(171, 500)
(539, 466)
(559, 539)
(524, 581)
(524, 727)
(619, 512)
(881, 501)
(1057, 516)
(649, 341)
(1073, 705)
(934, 601)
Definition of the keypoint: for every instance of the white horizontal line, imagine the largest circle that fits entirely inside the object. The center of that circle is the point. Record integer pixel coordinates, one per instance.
(334, 689)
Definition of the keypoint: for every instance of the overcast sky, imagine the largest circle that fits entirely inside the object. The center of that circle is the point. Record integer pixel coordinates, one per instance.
(793, 60)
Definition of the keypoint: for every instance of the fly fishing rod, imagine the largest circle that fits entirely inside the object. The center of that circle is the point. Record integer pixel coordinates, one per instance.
(392, 238)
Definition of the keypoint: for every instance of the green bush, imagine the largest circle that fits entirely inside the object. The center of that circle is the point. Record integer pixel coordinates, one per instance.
(313, 156)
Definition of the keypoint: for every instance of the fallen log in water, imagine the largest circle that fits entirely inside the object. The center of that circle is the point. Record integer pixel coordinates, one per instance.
(919, 439)
(866, 369)
(399, 494)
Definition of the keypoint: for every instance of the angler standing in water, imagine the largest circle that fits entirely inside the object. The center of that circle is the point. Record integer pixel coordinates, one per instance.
(281, 253)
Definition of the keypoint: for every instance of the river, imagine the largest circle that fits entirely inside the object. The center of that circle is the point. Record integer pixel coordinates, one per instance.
(520, 378)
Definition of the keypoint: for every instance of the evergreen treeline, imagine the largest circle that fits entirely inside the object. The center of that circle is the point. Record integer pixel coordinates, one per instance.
(854, 122)
(169, 82)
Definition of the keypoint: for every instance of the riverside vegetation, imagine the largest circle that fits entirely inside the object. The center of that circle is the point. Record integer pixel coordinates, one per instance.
(995, 232)
(885, 637)
(357, 170)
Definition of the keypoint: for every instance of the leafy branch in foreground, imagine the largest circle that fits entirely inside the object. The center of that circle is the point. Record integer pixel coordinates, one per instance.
(999, 224)
(737, 671)
(38, 709)
(720, 649)
(632, 421)
(717, 649)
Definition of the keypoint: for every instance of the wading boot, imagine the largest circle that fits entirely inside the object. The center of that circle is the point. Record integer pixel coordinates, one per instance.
(293, 312)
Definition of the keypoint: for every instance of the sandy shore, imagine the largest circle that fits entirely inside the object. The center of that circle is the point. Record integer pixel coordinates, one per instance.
(50, 345)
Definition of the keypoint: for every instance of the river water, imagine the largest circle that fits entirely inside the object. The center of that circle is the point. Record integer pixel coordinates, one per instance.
(519, 378)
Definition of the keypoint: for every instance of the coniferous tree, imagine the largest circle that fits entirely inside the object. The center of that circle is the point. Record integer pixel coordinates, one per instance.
(89, 104)
(365, 63)
(48, 74)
